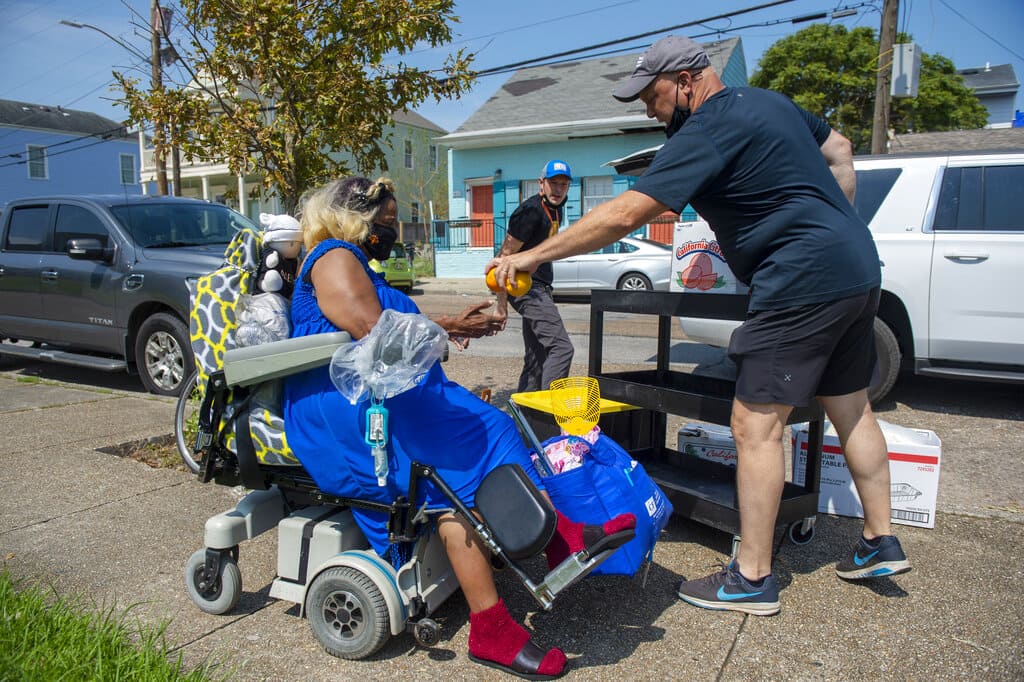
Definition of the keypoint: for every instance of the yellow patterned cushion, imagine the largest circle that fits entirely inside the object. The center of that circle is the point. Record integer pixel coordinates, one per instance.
(212, 322)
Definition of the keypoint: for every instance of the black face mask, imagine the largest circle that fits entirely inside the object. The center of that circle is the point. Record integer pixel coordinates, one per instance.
(679, 117)
(544, 198)
(380, 240)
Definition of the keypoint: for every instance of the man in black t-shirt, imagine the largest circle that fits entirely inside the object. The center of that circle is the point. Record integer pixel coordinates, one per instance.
(776, 185)
(547, 349)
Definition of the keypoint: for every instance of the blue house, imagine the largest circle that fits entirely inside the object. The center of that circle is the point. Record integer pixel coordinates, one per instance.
(562, 111)
(50, 150)
(996, 88)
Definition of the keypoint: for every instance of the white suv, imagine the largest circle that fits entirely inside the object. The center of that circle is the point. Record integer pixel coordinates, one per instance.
(950, 235)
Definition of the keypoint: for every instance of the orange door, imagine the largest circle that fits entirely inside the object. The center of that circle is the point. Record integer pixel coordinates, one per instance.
(661, 229)
(482, 213)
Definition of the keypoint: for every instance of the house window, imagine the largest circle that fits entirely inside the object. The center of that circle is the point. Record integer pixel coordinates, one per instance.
(597, 190)
(415, 212)
(529, 188)
(433, 157)
(408, 154)
(127, 169)
(37, 169)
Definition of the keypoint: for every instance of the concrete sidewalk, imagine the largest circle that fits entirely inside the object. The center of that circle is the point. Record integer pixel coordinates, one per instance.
(120, 532)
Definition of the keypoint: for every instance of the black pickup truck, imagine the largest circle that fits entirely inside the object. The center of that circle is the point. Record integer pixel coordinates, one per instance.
(101, 281)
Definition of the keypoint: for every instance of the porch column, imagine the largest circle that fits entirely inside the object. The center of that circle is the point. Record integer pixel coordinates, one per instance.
(206, 187)
(142, 158)
(242, 203)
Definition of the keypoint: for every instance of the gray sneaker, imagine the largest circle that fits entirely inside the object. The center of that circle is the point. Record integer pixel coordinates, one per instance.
(728, 590)
(881, 557)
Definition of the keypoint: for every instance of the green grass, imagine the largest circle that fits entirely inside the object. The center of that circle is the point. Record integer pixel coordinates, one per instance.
(45, 638)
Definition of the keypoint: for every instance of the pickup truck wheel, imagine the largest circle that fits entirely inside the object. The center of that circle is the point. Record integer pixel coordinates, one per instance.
(163, 354)
(889, 360)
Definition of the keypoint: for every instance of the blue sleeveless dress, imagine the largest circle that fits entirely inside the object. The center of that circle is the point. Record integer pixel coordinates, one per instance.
(437, 422)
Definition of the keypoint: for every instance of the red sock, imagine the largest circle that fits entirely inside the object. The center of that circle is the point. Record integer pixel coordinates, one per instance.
(573, 536)
(495, 636)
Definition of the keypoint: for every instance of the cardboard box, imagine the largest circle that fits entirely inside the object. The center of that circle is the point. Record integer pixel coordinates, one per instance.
(914, 459)
(708, 441)
(698, 265)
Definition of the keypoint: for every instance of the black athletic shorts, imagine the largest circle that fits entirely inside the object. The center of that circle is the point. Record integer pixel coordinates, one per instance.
(790, 356)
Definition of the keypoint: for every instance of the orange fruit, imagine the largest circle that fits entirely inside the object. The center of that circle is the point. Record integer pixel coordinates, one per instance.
(523, 282)
(491, 283)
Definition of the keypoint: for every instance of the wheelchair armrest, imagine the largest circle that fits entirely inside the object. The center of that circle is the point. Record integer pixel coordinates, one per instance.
(256, 364)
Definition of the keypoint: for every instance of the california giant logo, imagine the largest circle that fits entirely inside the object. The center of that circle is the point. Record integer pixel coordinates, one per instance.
(700, 272)
(700, 245)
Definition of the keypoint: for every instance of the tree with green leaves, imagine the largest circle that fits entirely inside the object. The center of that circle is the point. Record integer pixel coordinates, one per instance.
(830, 71)
(273, 86)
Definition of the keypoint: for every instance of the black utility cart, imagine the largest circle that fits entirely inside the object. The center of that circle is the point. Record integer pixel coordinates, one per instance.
(699, 489)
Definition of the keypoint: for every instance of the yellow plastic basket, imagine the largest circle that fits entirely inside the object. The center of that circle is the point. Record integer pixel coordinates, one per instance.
(576, 404)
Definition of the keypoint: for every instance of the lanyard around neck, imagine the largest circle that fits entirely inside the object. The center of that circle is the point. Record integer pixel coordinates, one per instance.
(553, 230)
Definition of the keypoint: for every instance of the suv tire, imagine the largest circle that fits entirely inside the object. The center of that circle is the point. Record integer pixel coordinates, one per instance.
(887, 348)
(163, 354)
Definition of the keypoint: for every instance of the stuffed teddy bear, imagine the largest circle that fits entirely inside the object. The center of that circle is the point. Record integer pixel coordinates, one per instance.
(263, 315)
(282, 241)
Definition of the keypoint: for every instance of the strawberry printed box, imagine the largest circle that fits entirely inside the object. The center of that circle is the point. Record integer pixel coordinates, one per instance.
(698, 265)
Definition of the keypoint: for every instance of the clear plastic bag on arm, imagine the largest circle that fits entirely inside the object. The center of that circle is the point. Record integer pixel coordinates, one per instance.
(262, 318)
(396, 354)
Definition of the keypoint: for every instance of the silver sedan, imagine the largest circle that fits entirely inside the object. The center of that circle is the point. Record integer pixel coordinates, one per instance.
(629, 264)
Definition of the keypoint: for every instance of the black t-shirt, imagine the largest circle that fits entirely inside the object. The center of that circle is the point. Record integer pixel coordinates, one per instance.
(750, 162)
(531, 225)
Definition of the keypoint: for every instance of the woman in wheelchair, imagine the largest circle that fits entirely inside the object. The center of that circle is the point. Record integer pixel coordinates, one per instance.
(437, 422)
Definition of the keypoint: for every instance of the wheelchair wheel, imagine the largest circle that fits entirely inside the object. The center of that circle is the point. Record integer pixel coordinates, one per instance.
(347, 613)
(186, 421)
(222, 593)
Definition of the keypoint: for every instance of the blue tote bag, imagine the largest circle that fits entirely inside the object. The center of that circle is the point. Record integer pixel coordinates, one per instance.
(609, 483)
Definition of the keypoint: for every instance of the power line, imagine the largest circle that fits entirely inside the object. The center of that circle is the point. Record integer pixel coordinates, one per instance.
(975, 26)
(647, 34)
(536, 23)
(710, 32)
(103, 136)
(48, 155)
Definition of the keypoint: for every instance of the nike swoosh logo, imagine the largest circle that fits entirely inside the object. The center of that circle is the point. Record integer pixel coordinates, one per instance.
(861, 561)
(725, 596)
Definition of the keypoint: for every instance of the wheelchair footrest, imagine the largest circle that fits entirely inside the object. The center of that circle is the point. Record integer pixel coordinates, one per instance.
(575, 567)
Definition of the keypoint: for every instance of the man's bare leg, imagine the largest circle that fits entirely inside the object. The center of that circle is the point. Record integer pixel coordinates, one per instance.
(760, 474)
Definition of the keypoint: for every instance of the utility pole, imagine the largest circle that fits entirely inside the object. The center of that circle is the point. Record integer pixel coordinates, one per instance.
(883, 77)
(156, 85)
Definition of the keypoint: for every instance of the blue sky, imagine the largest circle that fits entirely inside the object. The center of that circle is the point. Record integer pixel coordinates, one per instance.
(44, 62)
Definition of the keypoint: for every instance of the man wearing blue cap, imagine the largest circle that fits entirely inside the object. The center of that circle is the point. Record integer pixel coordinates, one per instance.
(776, 184)
(548, 351)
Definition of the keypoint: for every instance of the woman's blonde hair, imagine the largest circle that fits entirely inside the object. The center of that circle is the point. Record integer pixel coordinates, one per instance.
(343, 209)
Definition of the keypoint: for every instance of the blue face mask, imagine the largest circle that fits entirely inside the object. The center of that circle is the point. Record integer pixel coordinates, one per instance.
(679, 117)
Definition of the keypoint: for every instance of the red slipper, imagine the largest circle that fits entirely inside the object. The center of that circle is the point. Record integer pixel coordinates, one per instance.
(497, 641)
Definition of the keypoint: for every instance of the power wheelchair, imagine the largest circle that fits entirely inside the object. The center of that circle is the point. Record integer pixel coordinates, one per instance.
(354, 599)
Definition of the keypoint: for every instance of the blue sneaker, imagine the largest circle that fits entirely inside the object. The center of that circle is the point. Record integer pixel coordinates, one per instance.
(728, 590)
(881, 557)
